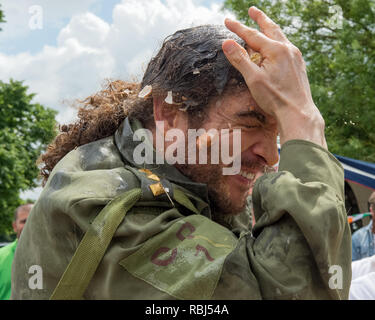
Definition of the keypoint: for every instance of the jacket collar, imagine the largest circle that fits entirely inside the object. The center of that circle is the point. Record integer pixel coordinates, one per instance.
(126, 145)
(123, 139)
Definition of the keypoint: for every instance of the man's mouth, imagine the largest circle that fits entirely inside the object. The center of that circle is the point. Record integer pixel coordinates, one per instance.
(245, 178)
(248, 175)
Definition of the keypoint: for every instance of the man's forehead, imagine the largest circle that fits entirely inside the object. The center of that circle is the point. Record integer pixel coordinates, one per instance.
(240, 103)
(24, 211)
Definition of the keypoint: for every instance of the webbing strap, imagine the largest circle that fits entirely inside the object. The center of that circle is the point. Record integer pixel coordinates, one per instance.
(182, 199)
(91, 249)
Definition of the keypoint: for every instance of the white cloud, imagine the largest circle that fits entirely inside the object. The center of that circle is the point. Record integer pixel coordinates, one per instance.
(59, 73)
(141, 26)
(90, 50)
(32, 194)
(88, 29)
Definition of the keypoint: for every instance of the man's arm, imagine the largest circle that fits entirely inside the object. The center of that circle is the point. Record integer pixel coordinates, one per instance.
(302, 238)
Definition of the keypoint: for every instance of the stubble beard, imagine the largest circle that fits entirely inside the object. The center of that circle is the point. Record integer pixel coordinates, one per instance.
(222, 204)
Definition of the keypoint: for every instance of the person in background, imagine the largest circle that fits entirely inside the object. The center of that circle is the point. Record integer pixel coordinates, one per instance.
(363, 279)
(363, 240)
(7, 252)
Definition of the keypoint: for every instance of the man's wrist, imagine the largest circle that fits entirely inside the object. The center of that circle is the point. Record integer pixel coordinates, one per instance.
(302, 125)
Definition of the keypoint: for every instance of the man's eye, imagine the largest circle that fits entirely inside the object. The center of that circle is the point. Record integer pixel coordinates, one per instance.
(249, 126)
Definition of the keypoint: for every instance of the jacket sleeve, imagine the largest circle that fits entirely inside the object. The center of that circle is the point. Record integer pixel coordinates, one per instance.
(301, 246)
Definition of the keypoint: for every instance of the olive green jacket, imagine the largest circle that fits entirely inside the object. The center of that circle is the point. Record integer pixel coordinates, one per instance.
(167, 245)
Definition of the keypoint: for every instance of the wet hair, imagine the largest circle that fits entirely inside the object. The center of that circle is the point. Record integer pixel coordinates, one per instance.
(190, 64)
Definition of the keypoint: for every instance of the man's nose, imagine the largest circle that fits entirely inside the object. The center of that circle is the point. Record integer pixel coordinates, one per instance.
(266, 147)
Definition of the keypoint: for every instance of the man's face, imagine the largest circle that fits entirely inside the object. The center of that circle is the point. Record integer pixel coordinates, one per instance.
(236, 109)
(22, 216)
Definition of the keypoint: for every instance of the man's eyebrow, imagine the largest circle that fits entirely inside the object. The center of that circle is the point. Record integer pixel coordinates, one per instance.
(251, 114)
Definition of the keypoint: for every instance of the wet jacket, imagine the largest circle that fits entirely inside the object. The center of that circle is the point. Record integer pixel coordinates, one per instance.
(165, 245)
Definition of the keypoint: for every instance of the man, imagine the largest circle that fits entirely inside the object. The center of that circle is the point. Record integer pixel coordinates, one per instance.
(109, 226)
(7, 252)
(363, 240)
(363, 255)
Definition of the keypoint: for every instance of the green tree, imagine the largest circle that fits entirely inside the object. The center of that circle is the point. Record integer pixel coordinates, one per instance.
(25, 130)
(1, 16)
(337, 39)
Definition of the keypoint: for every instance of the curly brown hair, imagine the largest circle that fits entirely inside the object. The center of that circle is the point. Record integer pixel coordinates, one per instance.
(99, 116)
(190, 64)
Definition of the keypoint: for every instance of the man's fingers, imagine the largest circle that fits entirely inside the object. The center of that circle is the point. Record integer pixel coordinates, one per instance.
(255, 39)
(267, 26)
(239, 58)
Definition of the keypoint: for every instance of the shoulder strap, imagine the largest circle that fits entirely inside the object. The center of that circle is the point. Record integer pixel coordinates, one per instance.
(91, 249)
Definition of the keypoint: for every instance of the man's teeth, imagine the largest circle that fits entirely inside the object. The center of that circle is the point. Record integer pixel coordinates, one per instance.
(247, 175)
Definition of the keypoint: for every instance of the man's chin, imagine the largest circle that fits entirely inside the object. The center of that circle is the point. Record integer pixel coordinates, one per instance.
(225, 211)
(227, 193)
(229, 199)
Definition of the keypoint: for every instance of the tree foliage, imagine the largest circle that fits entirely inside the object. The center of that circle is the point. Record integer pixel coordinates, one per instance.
(1, 16)
(25, 130)
(337, 39)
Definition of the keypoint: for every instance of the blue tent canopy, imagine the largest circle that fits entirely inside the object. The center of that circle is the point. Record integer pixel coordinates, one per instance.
(358, 171)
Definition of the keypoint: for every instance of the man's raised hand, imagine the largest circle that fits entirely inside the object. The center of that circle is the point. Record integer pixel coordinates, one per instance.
(279, 84)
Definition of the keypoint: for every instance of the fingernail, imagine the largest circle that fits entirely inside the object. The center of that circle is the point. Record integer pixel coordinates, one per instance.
(250, 11)
(228, 20)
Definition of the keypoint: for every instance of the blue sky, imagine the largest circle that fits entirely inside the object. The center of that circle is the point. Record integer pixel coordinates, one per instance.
(34, 41)
(83, 43)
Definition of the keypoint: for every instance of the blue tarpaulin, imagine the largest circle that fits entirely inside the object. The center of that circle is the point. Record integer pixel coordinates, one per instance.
(358, 171)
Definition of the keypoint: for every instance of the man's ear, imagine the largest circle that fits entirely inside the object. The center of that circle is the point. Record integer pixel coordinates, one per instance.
(170, 114)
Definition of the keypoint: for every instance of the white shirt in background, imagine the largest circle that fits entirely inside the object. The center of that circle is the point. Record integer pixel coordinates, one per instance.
(363, 279)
